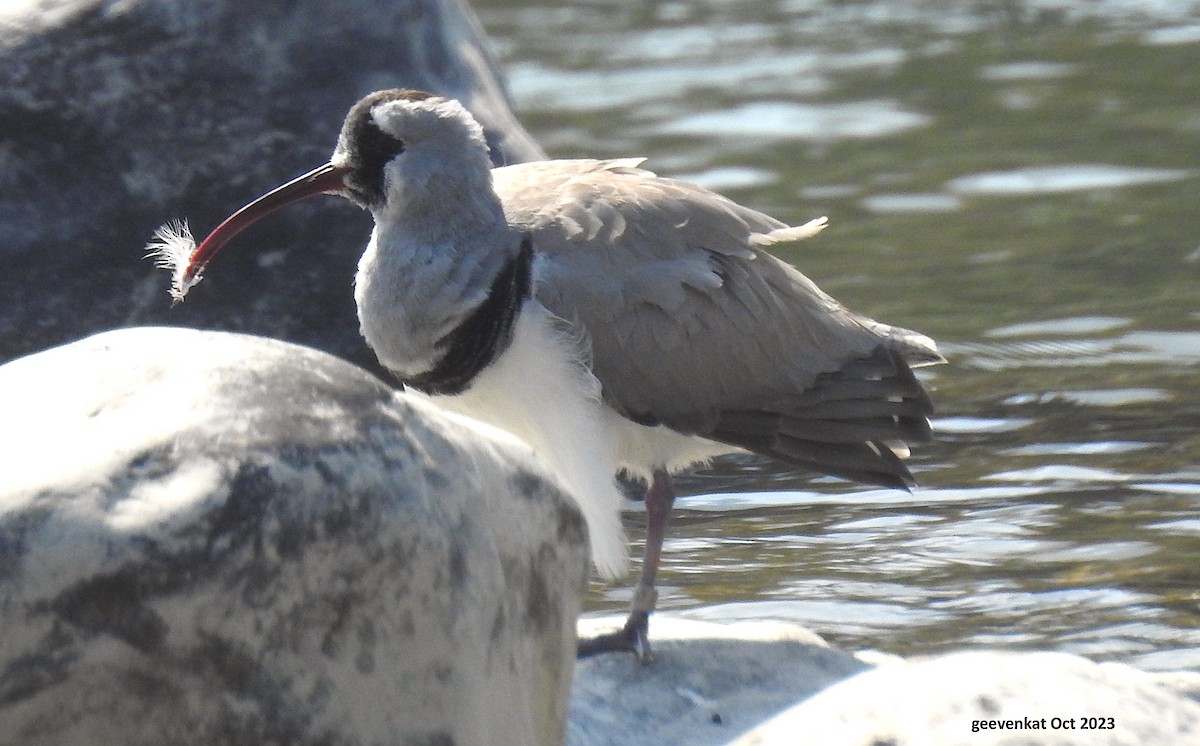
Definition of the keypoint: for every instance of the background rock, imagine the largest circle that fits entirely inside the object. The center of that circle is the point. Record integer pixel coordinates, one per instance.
(930, 702)
(936, 701)
(708, 683)
(118, 115)
(715, 684)
(209, 538)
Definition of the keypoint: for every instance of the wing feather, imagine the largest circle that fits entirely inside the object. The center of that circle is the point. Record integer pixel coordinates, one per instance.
(691, 325)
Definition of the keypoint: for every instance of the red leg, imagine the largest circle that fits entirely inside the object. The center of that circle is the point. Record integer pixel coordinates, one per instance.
(634, 636)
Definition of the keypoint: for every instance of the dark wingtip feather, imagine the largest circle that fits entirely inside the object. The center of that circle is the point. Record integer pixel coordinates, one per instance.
(841, 425)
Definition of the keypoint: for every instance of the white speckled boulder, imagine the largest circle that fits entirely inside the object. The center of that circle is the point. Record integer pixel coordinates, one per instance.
(210, 538)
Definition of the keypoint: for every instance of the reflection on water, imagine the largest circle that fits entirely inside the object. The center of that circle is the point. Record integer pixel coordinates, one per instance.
(912, 202)
(821, 122)
(1071, 177)
(1017, 180)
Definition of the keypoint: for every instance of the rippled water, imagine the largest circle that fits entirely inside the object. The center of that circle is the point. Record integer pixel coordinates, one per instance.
(1020, 181)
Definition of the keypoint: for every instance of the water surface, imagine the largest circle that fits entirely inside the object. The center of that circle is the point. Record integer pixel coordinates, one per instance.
(1019, 182)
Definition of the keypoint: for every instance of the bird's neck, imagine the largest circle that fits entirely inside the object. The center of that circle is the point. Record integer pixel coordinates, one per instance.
(422, 279)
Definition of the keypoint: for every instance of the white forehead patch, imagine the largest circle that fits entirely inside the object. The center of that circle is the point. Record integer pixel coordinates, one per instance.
(412, 121)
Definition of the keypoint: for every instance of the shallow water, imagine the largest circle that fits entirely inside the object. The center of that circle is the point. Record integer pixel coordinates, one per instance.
(1020, 182)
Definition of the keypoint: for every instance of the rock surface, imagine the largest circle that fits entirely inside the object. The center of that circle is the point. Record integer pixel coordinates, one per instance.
(708, 683)
(119, 115)
(210, 538)
(719, 690)
(994, 699)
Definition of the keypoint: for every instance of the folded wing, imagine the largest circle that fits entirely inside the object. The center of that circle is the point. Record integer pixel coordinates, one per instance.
(691, 325)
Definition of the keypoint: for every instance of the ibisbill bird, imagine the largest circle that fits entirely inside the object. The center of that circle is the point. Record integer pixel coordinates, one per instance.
(614, 320)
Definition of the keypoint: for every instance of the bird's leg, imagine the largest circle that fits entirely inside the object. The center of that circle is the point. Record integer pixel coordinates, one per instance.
(660, 498)
(635, 635)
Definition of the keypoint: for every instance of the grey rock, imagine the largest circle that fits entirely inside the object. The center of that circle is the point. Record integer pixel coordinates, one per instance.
(777, 684)
(212, 538)
(993, 698)
(118, 115)
(708, 683)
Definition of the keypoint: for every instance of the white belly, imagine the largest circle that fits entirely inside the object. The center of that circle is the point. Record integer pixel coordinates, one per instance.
(641, 449)
(540, 391)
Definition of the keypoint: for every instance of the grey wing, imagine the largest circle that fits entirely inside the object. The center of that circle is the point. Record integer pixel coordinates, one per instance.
(692, 327)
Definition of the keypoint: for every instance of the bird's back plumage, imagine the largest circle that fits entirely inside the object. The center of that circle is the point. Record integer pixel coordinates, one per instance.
(691, 325)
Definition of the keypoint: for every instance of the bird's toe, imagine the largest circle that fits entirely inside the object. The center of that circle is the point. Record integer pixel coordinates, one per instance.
(633, 637)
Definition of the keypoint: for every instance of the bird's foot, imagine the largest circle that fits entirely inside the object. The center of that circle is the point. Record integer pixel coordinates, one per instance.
(634, 638)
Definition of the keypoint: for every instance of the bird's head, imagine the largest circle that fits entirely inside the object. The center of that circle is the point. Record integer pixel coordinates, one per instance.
(399, 145)
(398, 150)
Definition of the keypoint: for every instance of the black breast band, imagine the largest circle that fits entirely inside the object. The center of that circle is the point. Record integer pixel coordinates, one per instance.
(484, 334)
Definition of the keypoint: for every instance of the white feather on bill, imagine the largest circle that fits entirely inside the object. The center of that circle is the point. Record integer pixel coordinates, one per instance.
(171, 248)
